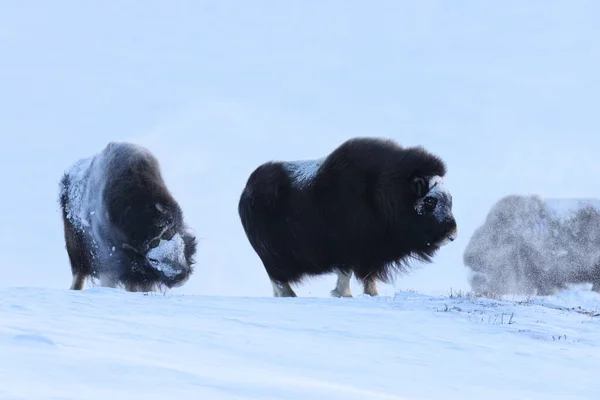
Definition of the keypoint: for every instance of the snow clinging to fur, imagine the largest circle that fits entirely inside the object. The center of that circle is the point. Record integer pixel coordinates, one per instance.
(437, 189)
(436, 185)
(166, 254)
(76, 212)
(87, 179)
(304, 171)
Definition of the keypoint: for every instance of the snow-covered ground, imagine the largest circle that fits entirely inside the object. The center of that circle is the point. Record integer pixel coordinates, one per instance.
(110, 344)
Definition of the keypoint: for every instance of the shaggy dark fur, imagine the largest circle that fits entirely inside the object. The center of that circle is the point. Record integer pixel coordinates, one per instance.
(365, 209)
(120, 219)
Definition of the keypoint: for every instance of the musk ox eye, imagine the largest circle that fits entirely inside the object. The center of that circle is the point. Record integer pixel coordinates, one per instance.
(168, 235)
(430, 203)
(154, 243)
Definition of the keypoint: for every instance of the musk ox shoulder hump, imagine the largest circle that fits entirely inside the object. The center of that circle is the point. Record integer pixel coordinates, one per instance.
(302, 172)
(385, 154)
(127, 153)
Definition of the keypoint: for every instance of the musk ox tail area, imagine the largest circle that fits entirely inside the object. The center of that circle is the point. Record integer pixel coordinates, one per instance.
(267, 185)
(263, 209)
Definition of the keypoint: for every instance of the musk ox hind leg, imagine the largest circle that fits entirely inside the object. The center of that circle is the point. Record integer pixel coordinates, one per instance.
(342, 286)
(81, 266)
(282, 289)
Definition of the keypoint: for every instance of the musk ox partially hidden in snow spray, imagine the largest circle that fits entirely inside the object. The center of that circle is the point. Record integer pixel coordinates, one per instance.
(367, 208)
(529, 245)
(121, 224)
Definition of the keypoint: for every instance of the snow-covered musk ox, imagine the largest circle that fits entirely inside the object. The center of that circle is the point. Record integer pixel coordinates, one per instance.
(367, 208)
(529, 245)
(122, 226)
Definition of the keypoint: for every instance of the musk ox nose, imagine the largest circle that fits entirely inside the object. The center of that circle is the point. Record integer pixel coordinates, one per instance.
(453, 231)
(452, 235)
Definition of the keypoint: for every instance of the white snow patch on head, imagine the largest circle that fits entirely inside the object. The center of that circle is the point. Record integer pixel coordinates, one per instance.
(436, 185)
(437, 189)
(167, 254)
(303, 172)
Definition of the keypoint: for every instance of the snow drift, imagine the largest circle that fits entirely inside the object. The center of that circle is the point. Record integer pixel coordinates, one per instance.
(103, 343)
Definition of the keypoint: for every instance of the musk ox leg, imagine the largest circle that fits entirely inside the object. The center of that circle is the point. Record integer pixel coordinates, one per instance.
(78, 281)
(370, 286)
(596, 287)
(282, 289)
(342, 287)
(81, 266)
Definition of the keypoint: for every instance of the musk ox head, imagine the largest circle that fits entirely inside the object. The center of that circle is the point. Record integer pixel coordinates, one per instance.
(433, 206)
(167, 261)
(146, 225)
(157, 241)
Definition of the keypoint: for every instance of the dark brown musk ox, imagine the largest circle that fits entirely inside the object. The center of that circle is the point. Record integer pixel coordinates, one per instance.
(122, 226)
(367, 208)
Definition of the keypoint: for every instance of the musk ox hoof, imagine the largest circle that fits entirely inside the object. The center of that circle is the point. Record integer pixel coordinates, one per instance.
(282, 289)
(337, 293)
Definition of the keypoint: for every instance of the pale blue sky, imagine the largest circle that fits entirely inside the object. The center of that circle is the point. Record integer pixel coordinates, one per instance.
(505, 91)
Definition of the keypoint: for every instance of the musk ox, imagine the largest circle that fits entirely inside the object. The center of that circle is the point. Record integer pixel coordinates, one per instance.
(122, 226)
(534, 246)
(367, 208)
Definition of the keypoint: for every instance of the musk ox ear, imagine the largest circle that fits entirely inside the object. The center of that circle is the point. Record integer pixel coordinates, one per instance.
(419, 186)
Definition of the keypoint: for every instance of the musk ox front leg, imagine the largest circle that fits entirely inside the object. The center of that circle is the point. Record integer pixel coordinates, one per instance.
(78, 281)
(370, 286)
(342, 287)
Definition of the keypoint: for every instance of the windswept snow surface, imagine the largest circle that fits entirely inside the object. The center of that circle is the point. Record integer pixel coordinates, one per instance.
(105, 343)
